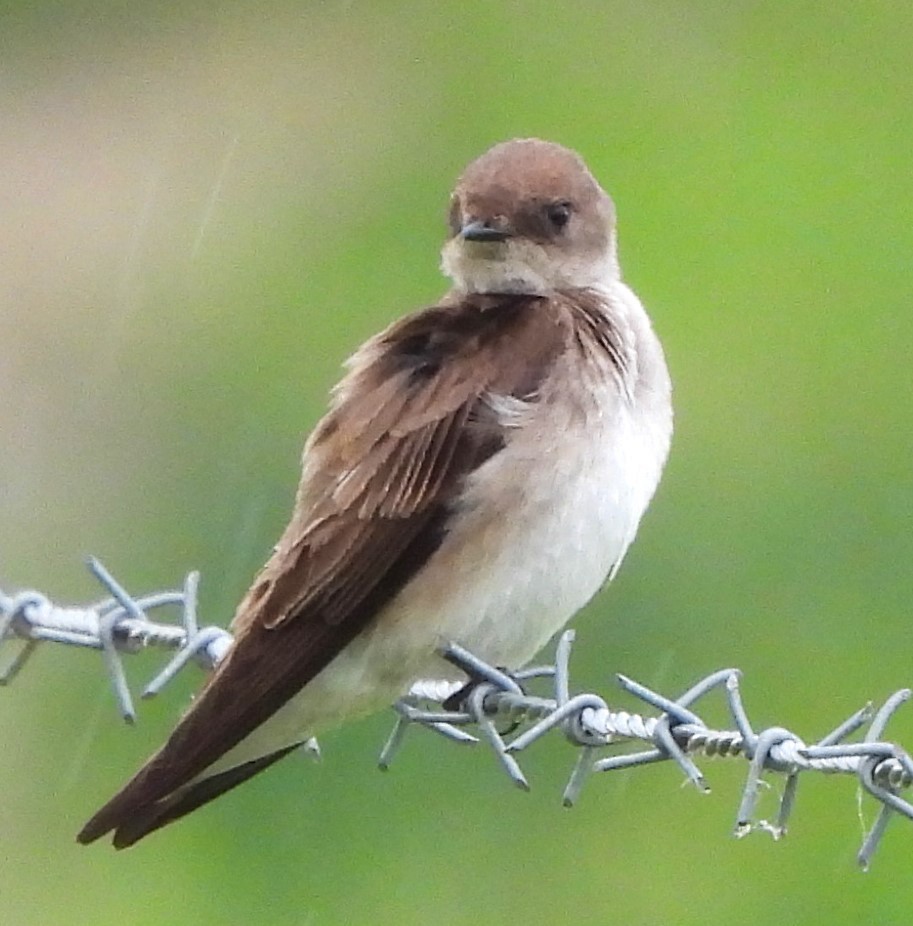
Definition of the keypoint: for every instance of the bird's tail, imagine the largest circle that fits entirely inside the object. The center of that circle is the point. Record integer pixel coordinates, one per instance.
(133, 815)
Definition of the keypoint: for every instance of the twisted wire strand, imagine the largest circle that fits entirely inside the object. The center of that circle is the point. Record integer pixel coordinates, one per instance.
(120, 624)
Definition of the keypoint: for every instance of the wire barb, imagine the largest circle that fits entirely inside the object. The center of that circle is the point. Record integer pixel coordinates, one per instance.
(677, 733)
(501, 708)
(116, 625)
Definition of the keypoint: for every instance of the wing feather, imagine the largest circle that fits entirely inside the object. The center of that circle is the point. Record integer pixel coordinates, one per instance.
(380, 475)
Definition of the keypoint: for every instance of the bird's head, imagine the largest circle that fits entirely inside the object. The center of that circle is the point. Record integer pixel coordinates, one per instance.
(528, 217)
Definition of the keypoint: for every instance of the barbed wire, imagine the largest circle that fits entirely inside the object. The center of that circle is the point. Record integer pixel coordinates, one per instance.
(115, 625)
(120, 624)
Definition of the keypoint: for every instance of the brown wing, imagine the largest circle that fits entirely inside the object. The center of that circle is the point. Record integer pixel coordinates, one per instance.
(379, 477)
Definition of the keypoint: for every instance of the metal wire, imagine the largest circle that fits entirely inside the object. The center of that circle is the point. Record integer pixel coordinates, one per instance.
(116, 625)
(495, 699)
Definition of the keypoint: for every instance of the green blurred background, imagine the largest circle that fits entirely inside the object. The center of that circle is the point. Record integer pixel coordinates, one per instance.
(204, 208)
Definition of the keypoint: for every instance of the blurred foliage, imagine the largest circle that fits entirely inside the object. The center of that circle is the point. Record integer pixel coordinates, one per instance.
(206, 207)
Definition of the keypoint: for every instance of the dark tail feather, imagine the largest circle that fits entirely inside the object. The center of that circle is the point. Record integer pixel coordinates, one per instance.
(132, 821)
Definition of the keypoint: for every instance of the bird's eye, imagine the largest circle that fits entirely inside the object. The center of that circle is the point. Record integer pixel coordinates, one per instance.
(558, 214)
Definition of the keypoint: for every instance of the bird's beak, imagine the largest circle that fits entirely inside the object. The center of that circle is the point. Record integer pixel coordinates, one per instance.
(486, 230)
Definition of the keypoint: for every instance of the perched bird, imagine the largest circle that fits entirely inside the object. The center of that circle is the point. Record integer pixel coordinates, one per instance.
(481, 471)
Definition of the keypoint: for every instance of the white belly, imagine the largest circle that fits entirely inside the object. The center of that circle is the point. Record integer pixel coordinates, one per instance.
(546, 521)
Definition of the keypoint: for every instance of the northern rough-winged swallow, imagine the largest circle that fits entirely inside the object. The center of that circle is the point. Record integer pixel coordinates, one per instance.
(482, 469)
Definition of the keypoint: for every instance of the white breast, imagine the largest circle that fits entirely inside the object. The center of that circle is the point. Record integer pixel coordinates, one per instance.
(549, 518)
(543, 523)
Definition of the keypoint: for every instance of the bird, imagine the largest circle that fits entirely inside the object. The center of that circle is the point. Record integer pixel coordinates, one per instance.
(479, 475)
